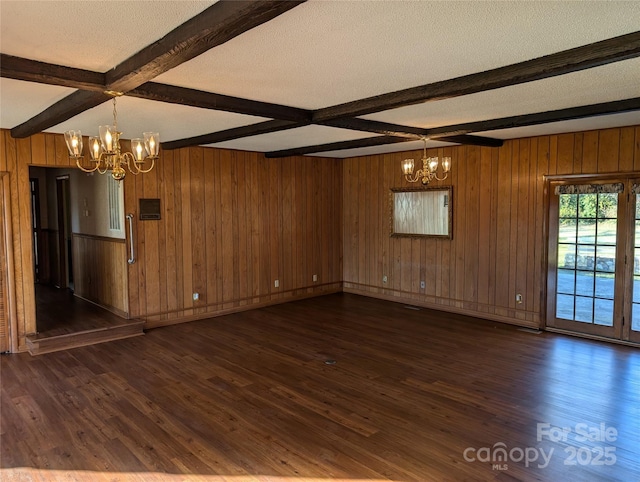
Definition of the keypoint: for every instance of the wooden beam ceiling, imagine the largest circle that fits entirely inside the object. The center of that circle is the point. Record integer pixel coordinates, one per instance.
(605, 108)
(450, 133)
(470, 140)
(209, 100)
(230, 134)
(337, 146)
(384, 128)
(19, 68)
(585, 57)
(217, 24)
(61, 111)
(560, 63)
(285, 117)
(227, 19)
(221, 22)
(381, 141)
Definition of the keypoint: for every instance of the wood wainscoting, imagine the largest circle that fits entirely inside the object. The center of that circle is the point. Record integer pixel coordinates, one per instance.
(5, 329)
(100, 271)
(232, 223)
(499, 240)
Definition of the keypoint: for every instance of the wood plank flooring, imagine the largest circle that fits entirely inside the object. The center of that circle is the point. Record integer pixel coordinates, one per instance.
(59, 312)
(65, 321)
(414, 395)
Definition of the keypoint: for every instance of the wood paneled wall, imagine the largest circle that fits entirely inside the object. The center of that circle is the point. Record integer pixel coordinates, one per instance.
(232, 223)
(6, 261)
(4, 304)
(100, 271)
(498, 240)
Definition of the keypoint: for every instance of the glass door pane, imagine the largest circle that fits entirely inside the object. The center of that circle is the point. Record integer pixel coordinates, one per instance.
(586, 262)
(635, 298)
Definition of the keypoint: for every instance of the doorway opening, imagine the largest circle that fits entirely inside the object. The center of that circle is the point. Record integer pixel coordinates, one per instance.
(65, 277)
(77, 254)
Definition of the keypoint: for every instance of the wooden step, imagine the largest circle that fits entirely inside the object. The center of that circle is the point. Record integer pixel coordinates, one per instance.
(38, 344)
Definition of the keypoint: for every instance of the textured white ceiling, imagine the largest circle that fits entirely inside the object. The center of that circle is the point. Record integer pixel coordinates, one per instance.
(323, 53)
(88, 34)
(328, 52)
(585, 87)
(299, 137)
(172, 121)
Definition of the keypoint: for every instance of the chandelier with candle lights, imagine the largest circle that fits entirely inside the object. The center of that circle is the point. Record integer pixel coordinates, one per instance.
(106, 154)
(429, 169)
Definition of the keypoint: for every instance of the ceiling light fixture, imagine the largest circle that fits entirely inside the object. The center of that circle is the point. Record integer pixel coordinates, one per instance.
(429, 168)
(105, 151)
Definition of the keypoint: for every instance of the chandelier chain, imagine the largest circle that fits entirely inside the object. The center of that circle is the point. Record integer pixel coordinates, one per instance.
(115, 115)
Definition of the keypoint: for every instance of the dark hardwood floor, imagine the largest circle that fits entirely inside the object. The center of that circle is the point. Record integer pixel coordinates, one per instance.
(412, 396)
(59, 312)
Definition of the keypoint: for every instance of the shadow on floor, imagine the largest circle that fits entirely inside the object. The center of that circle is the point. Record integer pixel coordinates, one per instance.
(59, 312)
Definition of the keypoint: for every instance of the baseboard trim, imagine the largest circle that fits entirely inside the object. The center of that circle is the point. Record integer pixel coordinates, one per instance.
(150, 324)
(112, 309)
(440, 307)
(592, 337)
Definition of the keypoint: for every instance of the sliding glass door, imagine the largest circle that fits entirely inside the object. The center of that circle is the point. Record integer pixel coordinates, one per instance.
(594, 233)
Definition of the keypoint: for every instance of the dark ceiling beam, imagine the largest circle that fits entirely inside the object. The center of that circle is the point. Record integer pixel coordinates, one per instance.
(381, 141)
(567, 61)
(571, 113)
(451, 133)
(469, 140)
(365, 125)
(221, 22)
(30, 70)
(411, 133)
(74, 104)
(19, 68)
(229, 134)
(217, 24)
(209, 100)
(377, 127)
(338, 146)
(585, 57)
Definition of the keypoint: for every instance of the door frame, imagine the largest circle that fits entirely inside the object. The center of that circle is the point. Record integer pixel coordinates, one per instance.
(623, 284)
(7, 242)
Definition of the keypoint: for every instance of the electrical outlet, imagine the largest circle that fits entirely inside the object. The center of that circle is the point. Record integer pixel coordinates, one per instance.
(385, 279)
(196, 296)
(276, 283)
(519, 298)
(423, 285)
(315, 277)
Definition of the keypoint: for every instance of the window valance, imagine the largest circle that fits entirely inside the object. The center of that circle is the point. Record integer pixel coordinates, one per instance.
(616, 187)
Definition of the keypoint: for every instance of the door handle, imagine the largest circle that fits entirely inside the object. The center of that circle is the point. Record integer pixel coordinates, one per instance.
(132, 258)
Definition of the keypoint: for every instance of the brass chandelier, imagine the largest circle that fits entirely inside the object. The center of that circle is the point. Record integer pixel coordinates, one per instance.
(106, 154)
(429, 169)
